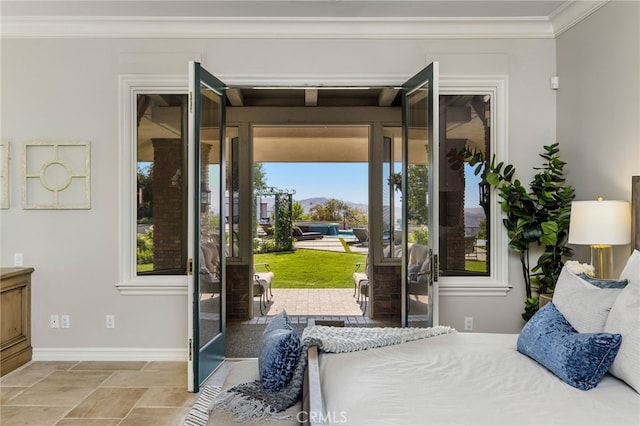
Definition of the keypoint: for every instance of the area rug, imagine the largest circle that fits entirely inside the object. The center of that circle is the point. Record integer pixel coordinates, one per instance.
(199, 414)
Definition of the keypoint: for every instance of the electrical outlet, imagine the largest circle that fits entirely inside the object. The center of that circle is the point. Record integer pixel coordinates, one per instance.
(111, 321)
(65, 321)
(18, 259)
(468, 323)
(54, 321)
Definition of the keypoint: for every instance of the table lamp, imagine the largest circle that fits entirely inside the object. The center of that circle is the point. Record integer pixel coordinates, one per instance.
(600, 224)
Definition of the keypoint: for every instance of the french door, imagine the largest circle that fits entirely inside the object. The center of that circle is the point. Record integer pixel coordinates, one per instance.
(207, 238)
(420, 101)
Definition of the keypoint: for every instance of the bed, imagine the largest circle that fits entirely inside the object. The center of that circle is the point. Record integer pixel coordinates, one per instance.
(501, 379)
(463, 378)
(576, 362)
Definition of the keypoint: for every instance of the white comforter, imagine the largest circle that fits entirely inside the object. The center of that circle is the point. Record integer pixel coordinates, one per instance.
(463, 379)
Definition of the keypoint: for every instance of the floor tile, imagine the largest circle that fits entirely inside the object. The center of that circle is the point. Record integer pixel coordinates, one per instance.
(146, 379)
(107, 403)
(164, 366)
(28, 416)
(167, 397)
(8, 393)
(88, 422)
(155, 417)
(109, 366)
(46, 396)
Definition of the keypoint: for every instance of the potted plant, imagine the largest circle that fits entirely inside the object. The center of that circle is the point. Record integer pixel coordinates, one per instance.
(534, 216)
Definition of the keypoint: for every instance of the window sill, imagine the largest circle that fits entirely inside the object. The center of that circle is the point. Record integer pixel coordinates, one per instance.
(454, 287)
(153, 288)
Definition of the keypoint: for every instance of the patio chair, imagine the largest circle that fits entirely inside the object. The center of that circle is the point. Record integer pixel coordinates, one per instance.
(262, 284)
(362, 234)
(209, 274)
(361, 284)
(470, 247)
(419, 270)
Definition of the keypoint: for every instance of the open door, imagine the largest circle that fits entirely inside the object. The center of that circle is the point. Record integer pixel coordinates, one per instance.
(420, 101)
(207, 239)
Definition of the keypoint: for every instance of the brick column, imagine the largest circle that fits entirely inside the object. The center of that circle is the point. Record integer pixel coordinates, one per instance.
(387, 296)
(167, 205)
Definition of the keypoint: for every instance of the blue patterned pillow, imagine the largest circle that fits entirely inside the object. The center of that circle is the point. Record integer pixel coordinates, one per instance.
(280, 321)
(579, 359)
(602, 283)
(279, 354)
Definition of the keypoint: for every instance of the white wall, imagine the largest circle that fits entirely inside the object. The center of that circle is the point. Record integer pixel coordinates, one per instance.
(599, 106)
(68, 89)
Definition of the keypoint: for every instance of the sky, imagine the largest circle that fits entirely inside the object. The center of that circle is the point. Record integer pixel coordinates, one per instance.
(342, 181)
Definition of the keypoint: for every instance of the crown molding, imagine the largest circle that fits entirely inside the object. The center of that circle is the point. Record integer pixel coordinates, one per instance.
(569, 15)
(152, 27)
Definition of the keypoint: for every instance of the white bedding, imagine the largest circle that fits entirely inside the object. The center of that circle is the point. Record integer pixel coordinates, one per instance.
(463, 379)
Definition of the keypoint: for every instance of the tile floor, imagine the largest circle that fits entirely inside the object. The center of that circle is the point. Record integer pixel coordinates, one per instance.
(88, 393)
(102, 393)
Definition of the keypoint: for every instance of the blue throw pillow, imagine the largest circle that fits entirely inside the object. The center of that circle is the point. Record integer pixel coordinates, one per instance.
(279, 354)
(278, 322)
(602, 283)
(579, 359)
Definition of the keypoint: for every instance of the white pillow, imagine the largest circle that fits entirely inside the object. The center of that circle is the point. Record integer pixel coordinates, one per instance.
(625, 319)
(584, 305)
(631, 270)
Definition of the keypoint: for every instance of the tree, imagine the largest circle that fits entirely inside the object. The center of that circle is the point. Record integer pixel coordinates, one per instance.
(417, 191)
(259, 176)
(297, 211)
(332, 210)
(145, 193)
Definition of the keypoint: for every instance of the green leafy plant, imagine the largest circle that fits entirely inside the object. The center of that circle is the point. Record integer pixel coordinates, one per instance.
(536, 216)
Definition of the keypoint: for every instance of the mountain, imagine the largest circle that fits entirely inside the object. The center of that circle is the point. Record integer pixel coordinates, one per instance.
(472, 215)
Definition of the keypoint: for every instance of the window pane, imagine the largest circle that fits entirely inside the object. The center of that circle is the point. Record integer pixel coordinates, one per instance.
(391, 195)
(161, 194)
(233, 192)
(465, 135)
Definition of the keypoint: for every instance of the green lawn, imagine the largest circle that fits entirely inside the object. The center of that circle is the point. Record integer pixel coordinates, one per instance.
(317, 269)
(311, 268)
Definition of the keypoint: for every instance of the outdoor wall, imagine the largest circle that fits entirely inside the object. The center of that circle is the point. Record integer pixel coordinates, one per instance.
(67, 89)
(599, 107)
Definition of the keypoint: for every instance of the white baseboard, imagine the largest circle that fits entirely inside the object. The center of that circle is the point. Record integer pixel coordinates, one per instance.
(109, 354)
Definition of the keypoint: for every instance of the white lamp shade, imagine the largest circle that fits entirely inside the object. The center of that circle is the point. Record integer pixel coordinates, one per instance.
(600, 222)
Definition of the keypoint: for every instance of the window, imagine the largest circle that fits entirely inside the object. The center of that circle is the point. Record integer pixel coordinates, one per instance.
(161, 201)
(153, 209)
(473, 121)
(465, 142)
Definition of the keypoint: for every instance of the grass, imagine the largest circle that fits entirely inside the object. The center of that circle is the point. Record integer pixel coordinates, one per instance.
(311, 268)
(475, 265)
(317, 269)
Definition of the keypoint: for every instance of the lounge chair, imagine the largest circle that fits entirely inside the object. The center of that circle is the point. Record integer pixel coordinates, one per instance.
(362, 234)
(262, 284)
(299, 235)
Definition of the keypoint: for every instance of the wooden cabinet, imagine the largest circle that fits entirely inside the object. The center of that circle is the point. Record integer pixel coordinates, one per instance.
(15, 318)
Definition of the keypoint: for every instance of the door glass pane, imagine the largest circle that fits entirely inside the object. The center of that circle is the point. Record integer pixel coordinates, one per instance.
(465, 135)
(418, 151)
(212, 237)
(232, 194)
(161, 194)
(391, 192)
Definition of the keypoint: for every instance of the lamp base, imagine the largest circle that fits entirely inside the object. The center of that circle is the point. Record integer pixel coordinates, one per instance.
(602, 260)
